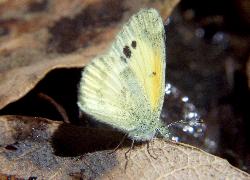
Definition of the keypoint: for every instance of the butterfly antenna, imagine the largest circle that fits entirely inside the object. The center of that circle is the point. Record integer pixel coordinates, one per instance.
(121, 142)
(177, 122)
(155, 157)
(200, 121)
(128, 151)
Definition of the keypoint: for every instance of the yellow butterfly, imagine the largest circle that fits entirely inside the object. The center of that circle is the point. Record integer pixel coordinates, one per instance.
(125, 87)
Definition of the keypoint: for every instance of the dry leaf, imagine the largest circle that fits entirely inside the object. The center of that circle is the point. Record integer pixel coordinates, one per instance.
(37, 38)
(174, 161)
(28, 147)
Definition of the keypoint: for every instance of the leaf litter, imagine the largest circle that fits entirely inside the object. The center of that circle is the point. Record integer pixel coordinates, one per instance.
(33, 147)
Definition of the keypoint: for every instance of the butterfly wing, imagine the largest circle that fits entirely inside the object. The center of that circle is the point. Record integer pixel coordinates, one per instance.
(127, 84)
(141, 44)
(105, 92)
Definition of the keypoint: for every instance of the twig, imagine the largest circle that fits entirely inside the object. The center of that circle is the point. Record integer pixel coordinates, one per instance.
(59, 108)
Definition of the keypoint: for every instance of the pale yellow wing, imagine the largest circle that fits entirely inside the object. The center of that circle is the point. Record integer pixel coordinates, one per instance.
(107, 92)
(141, 44)
(125, 87)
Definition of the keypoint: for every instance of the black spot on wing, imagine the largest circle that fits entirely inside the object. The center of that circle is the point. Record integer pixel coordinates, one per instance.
(127, 51)
(133, 44)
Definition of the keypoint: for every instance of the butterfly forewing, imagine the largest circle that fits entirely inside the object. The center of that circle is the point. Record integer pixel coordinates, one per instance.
(141, 45)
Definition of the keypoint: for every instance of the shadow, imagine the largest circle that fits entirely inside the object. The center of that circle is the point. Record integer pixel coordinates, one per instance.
(59, 84)
(49, 146)
(71, 140)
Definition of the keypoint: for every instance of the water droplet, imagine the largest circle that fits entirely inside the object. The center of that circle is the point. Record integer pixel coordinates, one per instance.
(168, 88)
(191, 115)
(218, 37)
(200, 32)
(185, 99)
(175, 138)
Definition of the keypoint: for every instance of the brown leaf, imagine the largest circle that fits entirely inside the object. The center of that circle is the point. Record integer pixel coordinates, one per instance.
(37, 38)
(29, 148)
(174, 161)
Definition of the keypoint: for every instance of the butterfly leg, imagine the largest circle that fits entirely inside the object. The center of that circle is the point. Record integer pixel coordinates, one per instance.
(126, 153)
(155, 157)
(121, 142)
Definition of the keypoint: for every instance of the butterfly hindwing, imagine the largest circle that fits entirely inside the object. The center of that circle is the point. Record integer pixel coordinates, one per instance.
(100, 88)
(125, 87)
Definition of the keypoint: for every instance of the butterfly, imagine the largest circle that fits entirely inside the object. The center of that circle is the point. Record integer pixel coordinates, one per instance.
(124, 88)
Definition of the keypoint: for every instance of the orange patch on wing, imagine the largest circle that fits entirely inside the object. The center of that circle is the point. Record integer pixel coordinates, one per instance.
(156, 82)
